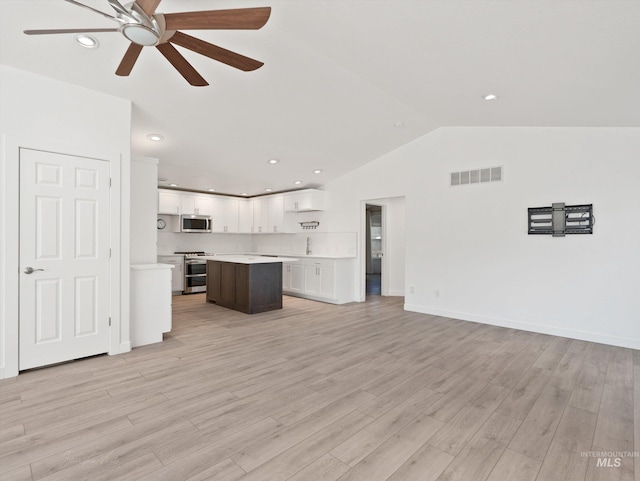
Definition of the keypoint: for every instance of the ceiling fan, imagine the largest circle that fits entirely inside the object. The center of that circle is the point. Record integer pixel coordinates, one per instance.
(144, 28)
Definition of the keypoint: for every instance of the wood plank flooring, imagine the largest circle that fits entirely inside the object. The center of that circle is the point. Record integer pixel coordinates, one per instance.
(317, 392)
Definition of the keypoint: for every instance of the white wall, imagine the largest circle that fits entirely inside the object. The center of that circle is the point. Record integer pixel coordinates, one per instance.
(469, 244)
(42, 113)
(144, 208)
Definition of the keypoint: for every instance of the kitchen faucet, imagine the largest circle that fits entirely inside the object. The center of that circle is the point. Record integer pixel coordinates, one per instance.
(308, 246)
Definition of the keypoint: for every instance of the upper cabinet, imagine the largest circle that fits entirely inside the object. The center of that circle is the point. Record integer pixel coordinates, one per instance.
(260, 215)
(304, 200)
(245, 216)
(225, 214)
(168, 202)
(196, 204)
(268, 214)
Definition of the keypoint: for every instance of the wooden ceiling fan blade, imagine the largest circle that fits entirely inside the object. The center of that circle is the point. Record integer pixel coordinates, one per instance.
(148, 6)
(129, 60)
(216, 53)
(181, 65)
(234, 19)
(69, 30)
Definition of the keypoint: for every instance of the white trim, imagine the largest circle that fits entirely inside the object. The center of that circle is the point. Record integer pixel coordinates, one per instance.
(526, 326)
(10, 238)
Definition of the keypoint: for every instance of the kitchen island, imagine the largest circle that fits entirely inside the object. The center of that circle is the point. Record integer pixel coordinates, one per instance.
(245, 283)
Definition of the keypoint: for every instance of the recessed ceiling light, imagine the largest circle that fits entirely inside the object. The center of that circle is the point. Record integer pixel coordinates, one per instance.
(491, 97)
(244, 193)
(87, 41)
(399, 124)
(297, 182)
(273, 161)
(211, 190)
(173, 185)
(155, 137)
(317, 171)
(268, 190)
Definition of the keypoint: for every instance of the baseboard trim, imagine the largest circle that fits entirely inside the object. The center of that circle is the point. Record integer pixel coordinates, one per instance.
(526, 326)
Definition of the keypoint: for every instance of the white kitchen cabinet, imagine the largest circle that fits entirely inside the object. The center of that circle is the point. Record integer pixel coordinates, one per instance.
(245, 216)
(268, 214)
(260, 215)
(276, 213)
(188, 204)
(224, 217)
(150, 310)
(177, 273)
(320, 279)
(196, 204)
(293, 277)
(168, 202)
(304, 200)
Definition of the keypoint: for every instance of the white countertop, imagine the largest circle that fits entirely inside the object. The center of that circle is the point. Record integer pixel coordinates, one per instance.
(247, 259)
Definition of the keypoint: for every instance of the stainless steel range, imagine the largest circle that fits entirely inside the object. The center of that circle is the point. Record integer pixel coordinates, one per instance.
(195, 272)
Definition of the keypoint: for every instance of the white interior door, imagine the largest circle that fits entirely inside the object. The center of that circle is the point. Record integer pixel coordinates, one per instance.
(64, 257)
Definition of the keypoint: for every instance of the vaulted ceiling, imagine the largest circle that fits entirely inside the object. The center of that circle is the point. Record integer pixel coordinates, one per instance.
(345, 81)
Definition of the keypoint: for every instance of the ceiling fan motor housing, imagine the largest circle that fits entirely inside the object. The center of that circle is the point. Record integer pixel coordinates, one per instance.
(139, 28)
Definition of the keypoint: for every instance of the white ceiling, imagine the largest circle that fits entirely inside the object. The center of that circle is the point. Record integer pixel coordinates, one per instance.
(339, 74)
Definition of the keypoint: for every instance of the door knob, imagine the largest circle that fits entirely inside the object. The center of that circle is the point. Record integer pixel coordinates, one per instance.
(31, 270)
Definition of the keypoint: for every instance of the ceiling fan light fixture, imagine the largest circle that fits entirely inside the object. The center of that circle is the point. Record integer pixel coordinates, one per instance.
(87, 41)
(140, 34)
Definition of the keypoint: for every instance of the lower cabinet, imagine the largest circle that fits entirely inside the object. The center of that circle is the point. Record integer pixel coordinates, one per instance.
(292, 277)
(327, 280)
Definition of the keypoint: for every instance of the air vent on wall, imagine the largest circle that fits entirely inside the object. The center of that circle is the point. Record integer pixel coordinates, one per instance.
(477, 176)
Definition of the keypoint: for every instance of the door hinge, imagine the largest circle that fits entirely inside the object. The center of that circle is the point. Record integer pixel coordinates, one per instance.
(109, 253)
(109, 181)
(109, 322)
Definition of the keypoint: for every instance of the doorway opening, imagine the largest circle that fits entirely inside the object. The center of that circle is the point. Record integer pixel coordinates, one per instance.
(374, 251)
(382, 244)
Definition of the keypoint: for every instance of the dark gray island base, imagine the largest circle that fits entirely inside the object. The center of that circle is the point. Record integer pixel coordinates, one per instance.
(245, 287)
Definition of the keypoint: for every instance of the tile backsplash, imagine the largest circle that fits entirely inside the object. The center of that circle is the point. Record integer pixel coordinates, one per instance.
(338, 244)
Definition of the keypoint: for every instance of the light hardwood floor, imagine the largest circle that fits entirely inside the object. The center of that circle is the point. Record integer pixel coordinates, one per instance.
(317, 392)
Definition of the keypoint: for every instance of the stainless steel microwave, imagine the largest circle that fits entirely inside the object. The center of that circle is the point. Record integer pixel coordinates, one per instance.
(195, 223)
